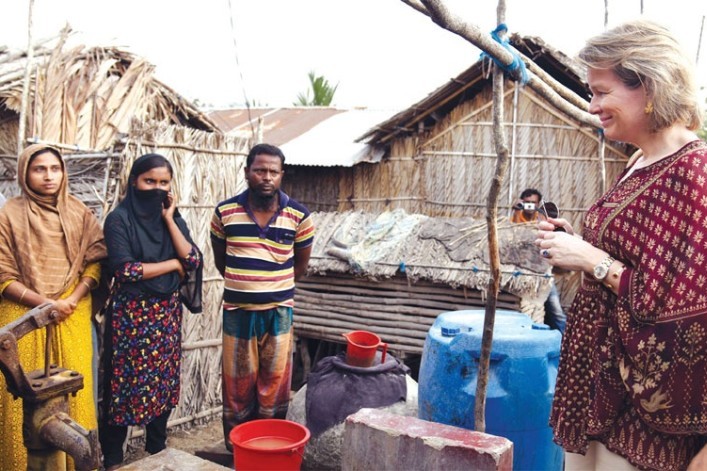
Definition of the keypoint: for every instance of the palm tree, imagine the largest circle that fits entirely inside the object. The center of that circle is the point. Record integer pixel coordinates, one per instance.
(323, 92)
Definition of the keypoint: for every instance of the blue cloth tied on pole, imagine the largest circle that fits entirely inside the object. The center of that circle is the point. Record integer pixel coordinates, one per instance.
(517, 68)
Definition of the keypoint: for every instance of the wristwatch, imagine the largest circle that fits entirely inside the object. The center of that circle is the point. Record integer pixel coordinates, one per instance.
(602, 269)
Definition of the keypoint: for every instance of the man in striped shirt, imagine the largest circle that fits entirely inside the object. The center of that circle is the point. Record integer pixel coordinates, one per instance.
(261, 241)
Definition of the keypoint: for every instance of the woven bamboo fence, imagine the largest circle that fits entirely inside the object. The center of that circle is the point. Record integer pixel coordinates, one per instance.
(447, 171)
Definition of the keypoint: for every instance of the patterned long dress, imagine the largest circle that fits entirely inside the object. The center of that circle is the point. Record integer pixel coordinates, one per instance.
(71, 348)
(144, 335)
(633, 365)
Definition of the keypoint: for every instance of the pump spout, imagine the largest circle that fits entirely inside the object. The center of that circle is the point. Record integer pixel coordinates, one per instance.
(62, 432)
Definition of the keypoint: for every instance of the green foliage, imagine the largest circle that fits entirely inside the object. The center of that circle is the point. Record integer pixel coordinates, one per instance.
(322, 90)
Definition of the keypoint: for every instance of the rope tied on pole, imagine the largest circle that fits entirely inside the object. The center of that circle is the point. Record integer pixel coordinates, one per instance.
(515, 69)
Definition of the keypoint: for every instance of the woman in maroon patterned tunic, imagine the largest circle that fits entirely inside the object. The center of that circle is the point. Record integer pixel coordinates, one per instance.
(631, 385)
(156, 268)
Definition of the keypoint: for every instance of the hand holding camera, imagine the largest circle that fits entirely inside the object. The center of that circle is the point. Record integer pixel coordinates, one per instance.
(547, 209)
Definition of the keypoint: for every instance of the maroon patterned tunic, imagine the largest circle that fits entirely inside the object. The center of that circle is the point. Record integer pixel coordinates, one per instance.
(633, 368)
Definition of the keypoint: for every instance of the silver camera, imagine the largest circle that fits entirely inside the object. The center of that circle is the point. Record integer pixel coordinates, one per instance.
(529, 206)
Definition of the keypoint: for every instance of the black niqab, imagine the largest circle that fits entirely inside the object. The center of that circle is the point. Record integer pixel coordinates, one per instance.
(148, 240)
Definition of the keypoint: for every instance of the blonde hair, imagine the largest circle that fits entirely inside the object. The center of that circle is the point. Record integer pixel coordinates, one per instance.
(645, 54)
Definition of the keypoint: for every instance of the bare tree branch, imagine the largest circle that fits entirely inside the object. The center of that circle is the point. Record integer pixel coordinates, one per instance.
(541, 82)
(494, 285)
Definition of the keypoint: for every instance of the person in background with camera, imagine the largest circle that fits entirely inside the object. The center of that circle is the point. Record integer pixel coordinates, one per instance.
(526, 212)
(526, 209)
(156, 268)
(633, 366)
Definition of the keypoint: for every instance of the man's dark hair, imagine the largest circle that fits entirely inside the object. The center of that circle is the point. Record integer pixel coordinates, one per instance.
(530, 192)
(267, 149)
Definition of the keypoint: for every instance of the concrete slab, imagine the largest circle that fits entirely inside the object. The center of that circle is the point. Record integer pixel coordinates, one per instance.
(218, 453)
(171, 459)
(375, 439)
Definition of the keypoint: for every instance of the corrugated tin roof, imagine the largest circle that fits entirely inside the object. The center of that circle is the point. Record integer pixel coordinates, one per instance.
(310, 136)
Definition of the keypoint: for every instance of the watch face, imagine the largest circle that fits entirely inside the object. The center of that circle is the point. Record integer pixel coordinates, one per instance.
(600, 272)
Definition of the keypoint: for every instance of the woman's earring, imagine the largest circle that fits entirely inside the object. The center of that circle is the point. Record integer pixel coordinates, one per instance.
(649, 108)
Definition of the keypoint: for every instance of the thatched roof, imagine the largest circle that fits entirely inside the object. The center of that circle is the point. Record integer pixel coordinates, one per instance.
(86, 96)
(426, 113)
(450, 251)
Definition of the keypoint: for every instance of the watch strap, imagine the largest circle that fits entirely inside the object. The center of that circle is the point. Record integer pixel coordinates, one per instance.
(603, 268)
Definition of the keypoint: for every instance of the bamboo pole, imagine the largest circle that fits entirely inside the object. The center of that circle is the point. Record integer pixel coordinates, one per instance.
(172, 145)
(699, 41)
(25, 85)
(514, 140)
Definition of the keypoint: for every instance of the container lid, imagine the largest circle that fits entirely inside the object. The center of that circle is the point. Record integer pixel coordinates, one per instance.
(514, 333)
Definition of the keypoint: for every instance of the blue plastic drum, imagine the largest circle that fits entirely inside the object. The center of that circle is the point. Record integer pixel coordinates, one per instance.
(521, 383)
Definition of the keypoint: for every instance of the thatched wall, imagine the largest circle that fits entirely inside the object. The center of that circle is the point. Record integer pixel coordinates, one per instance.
(315, 187)
(448, 170)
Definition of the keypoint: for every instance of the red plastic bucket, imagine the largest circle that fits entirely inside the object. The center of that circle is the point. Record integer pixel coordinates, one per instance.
(361, 348)
(268, 444)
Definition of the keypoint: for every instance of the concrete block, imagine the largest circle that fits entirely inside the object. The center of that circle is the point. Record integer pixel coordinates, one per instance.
(171, 459)
(323, 453)
(375, 439)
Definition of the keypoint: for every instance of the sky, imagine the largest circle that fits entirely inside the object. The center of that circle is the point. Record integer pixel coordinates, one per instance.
(381, 54)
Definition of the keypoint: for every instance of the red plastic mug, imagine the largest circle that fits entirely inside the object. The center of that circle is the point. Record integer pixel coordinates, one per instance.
(361, 348)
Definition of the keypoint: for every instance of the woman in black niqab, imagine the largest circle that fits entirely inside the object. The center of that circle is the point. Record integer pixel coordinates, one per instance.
(156, 269)
(148, 238)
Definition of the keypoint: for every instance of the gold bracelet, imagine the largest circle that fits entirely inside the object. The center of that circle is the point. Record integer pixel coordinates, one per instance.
(87, 285)
(615, 276)
(22, 296)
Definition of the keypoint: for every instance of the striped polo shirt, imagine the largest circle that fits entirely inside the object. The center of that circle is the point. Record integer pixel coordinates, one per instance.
(260, 261)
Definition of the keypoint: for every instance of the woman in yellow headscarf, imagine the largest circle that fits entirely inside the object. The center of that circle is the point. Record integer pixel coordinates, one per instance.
(50, 248)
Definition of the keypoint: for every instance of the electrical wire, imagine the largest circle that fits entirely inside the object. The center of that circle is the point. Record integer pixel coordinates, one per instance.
(238, 66)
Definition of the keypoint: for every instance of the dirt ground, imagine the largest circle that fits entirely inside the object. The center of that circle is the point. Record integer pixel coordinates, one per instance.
(199, 437)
